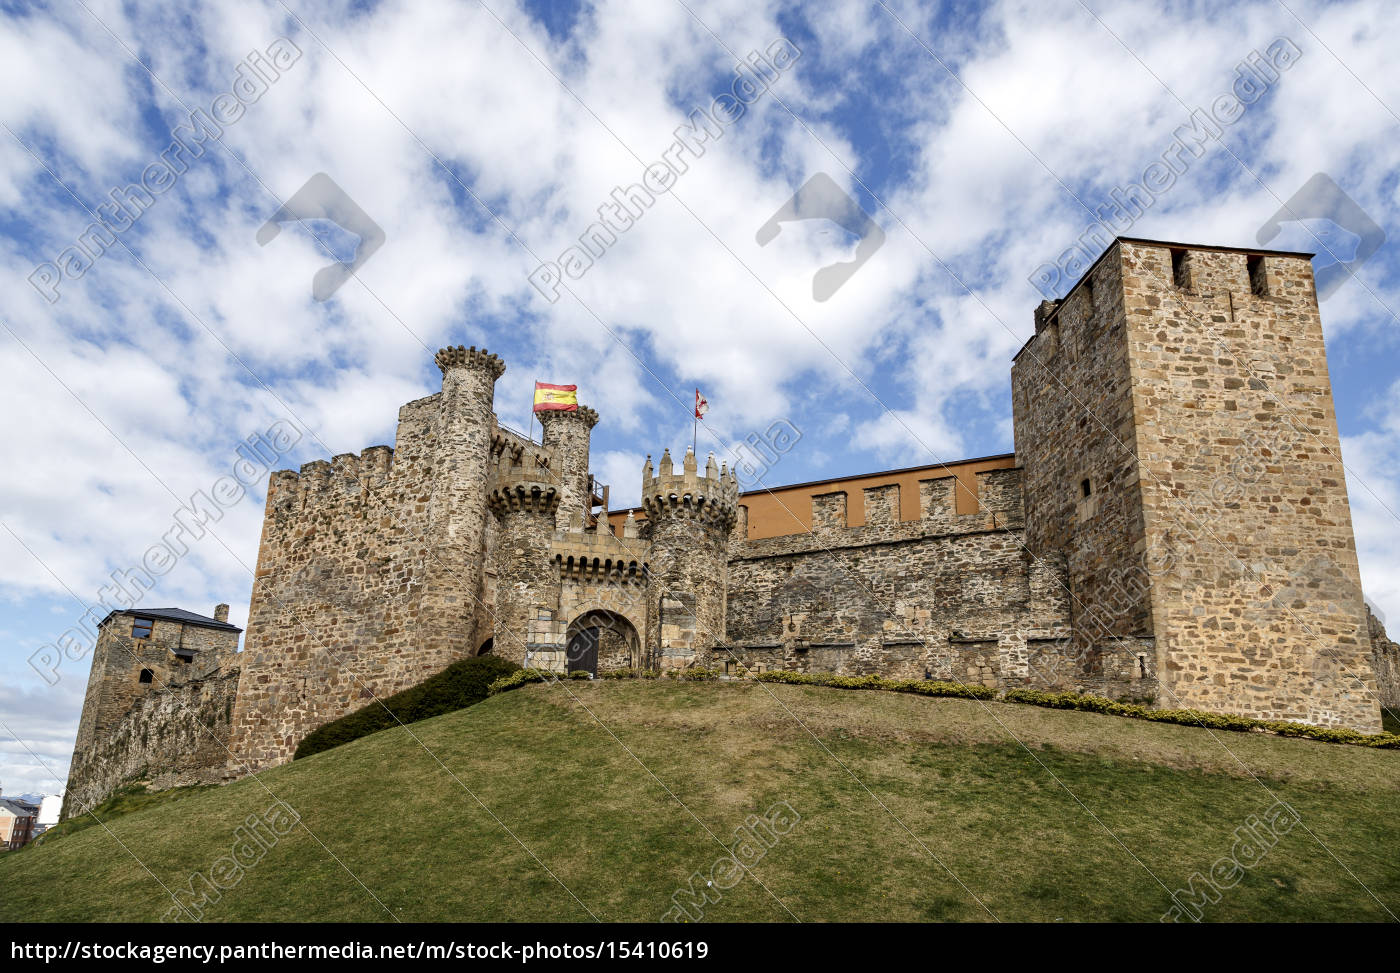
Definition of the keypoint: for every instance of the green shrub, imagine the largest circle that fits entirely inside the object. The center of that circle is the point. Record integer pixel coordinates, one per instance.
(1199, 718)
(456, 687)
(517, 679)
(694, 674)
(920, 687)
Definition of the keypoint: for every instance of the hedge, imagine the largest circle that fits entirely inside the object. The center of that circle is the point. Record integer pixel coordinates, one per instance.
(1028, 697)
(456, 687)
(1198, 718)
(922, 687)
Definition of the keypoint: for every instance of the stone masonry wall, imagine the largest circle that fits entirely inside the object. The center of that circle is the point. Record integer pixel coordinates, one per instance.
(170, 738)
(1385, 661)
(950, 596)
(524, 502)
(1256, 599)
(689, 518)
(1074, 424)
(337, 611)
(115, 689)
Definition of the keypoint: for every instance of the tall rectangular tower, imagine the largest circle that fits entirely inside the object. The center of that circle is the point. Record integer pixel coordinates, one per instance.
(1174, 417)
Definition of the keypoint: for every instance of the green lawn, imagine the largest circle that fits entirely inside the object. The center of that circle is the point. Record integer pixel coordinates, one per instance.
(910, 809)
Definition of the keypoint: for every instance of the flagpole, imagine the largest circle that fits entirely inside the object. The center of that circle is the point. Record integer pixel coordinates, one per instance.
(695, 428)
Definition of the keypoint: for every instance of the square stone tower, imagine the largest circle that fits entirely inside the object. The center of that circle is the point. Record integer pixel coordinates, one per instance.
(1174, 417)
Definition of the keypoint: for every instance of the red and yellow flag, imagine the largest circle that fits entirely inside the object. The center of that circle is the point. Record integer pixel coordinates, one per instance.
(555, 398)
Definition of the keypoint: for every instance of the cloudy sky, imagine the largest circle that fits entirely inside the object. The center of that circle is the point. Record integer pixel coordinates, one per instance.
(482, 138)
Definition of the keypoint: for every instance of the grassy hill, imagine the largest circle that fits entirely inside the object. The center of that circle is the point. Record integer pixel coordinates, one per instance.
(531, 807)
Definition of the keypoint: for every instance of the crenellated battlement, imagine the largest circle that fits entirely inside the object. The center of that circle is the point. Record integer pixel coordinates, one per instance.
(711, 498)
(473, 357)
(344, 475)
(514, 458)
(583, 415)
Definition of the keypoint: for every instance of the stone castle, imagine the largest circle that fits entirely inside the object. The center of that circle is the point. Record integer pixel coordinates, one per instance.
(1173, 527)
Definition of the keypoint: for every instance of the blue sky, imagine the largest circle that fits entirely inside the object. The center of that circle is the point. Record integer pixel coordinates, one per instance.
(482, 137)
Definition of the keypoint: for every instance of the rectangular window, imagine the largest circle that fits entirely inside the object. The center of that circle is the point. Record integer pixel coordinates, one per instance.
(147, 675)
(1258, 283)
(141, 628)
(1180, 277)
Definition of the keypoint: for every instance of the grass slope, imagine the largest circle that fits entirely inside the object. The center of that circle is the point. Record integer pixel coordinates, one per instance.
(901, 794)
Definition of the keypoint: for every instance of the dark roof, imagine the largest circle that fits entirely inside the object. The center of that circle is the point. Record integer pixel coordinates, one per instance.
(18, 808)
(174, 615)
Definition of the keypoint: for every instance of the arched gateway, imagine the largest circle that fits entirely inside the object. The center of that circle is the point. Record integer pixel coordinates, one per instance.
(601, 638)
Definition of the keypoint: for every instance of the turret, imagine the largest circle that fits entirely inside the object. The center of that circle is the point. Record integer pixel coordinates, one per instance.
(524, 498)
(457, 510)
(567, 435)
(689, 517)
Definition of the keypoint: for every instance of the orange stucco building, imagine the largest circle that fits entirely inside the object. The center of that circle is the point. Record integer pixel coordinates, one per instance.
(778, 511)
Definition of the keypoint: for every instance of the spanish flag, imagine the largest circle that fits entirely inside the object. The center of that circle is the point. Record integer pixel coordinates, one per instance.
(555, 398)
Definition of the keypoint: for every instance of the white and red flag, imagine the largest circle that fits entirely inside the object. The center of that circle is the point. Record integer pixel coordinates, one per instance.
(702, 405)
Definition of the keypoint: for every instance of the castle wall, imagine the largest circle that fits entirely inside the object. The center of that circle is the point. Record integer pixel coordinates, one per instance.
(1072, 397)
(1174, 418)
(567, 435)
(689, 517)
(457, 504)
(1385, 662)
(523, 502)
(174, 737)
(1258, 607)
(947, 596)
(602, 575)
(338, 595)
(115, 691)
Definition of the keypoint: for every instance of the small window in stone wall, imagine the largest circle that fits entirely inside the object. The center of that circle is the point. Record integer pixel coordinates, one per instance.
(147, 675)
(1258, 283)
(1085, 488)
(1179, 275)
(141, 628)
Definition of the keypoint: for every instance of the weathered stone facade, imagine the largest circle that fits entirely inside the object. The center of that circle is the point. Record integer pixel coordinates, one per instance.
(1385, 661)
(1176, 530)
(158, 706)
(1175, 422)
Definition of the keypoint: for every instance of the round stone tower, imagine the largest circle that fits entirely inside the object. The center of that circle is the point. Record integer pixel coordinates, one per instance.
(524, 499)
(457, 511)
(689, 518)
(567, 435)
